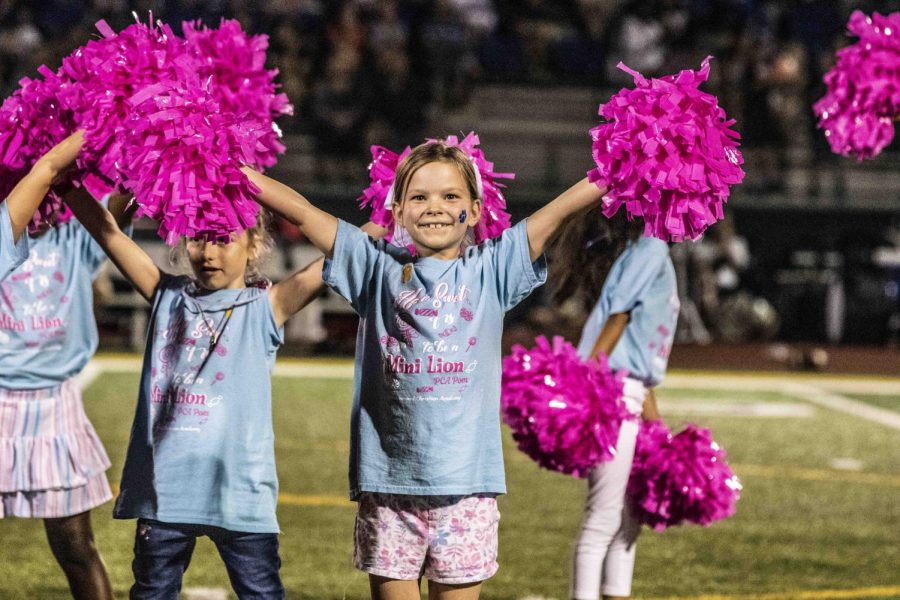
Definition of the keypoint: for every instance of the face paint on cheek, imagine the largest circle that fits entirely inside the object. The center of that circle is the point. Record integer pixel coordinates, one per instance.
(462, 217)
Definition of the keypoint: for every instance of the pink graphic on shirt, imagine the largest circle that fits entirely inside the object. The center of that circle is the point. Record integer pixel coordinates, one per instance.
(466, 314)
(58, 276)
(472, 341)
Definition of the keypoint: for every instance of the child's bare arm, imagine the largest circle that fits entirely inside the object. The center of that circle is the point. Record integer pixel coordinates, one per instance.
(317, 225)
(25, 198)
(292, 294)
(609, 336)
(651, 409)
(122, 208)
(131, 260)
(543, 225)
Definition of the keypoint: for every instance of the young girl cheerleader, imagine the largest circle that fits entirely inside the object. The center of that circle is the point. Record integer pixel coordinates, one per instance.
(52, 464)
(426, 461)
(26, 196)
(201, 460)
(630, 281)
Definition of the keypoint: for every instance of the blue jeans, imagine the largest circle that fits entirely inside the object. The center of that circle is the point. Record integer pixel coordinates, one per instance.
(162, 553)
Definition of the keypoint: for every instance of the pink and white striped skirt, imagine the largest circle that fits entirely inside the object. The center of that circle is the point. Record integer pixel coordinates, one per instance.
(52, 464)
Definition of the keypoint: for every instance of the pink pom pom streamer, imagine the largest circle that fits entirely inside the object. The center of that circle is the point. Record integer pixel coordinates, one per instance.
(564, 413)
(182, 159)
(667, 154)
(681, 478)
(106, 73)
(32, 121)
(494, 218)
(857, 112)
(235, 62)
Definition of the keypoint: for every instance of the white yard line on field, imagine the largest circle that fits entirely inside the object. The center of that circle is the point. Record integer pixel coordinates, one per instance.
(812, 389)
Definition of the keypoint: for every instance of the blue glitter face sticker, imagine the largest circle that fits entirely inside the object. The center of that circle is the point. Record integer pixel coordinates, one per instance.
(462, 217)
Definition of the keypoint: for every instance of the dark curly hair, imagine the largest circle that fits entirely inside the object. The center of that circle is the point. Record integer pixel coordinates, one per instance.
(585, 250)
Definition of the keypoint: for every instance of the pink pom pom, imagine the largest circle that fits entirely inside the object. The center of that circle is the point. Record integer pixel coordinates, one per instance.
(667, 153)
(494, 218)
(32, 121)
(182, 161)
(564, 413)
(235, 62)
(680, 478)
(863, 96)
(106, 73)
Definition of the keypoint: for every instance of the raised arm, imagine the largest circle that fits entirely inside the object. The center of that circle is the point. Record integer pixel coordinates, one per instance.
(290, 295)
(543, 225)
(25, 198)
(131, 260)
(317, 225)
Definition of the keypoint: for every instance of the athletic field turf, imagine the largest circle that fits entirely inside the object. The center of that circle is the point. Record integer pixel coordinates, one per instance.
(819, 518)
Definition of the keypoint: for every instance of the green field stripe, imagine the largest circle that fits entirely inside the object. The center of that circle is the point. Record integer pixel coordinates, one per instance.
(804, 474)
(314, 500)
(869, 592)
(295, 499)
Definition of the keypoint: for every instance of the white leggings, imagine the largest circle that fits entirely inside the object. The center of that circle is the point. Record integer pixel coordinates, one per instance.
(605, 548)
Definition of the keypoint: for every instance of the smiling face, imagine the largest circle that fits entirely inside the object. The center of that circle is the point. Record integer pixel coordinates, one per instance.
(437, 209)
(219, 266)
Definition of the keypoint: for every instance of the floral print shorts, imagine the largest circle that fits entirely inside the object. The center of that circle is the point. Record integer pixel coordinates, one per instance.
(446, 539)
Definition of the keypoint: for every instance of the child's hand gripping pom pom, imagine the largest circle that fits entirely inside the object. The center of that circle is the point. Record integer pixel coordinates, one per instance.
(380, 195)
(564, 413)
(182, 159)
(681, 478)
(32, 121)
(863, 97)
(667, 153)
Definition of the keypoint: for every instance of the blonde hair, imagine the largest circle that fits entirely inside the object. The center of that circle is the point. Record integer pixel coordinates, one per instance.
(259, 241)
(430, 152)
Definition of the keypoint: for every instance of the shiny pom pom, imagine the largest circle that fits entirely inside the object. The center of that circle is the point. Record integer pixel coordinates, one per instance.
(33, 120)
(235, 64)
(182, 160)
(680, 478)
(667, 153)
(857, 112)
(564, 413)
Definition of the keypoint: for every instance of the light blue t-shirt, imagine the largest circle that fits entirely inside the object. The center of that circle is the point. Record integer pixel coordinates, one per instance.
(642, 282)
(12, 254)
(426, 403)
(202, 446)
(47, 327)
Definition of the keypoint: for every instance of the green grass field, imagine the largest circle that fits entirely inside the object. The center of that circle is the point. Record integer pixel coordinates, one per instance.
(804, 528)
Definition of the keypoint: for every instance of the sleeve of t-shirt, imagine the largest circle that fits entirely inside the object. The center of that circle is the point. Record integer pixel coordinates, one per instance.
(12, 253)
(349, 270)
(637, 274)
(516, 275)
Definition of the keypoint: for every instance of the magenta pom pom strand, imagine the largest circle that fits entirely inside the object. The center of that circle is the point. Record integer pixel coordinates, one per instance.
(668, 154)
(564, 413)
(680, 478)
(858, 111)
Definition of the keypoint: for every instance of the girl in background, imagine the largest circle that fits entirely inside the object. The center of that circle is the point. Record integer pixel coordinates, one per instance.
(629, 280)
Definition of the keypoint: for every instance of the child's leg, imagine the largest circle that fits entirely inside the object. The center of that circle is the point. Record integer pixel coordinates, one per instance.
(72, 542)
(162, 553)
(383, 588)
(443, 591)
(618, 567)
(602, 515)
(252, 562)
